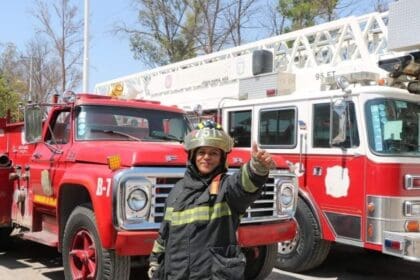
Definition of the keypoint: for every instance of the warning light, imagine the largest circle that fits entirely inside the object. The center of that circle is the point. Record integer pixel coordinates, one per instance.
(114, 162)
(116, 90)
(392, 244)
(412, 226)
(370, 230)
(271, 92)
(371, 207)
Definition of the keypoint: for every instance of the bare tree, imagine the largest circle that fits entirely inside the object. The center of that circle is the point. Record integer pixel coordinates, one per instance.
(160, 37)
(219, 21)
(42, 69)
(239, 18)
(170, 31)
(60, 23)
(271, 20)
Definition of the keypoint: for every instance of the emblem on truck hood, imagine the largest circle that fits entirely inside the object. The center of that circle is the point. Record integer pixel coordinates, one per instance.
(170, 158)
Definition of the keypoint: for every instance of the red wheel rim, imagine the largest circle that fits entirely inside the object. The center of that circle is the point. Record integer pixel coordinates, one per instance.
(82, 257)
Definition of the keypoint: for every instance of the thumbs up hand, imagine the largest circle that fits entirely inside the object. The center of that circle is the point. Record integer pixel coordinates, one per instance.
(261, 161)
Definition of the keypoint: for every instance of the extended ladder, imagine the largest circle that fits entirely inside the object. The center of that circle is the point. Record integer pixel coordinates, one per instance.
(340, 44)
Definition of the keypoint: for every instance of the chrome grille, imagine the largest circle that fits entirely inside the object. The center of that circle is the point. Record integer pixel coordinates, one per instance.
(263, 209)
(160, 193)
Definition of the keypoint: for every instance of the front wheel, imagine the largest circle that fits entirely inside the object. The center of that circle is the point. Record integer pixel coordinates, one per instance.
(83, 256)
(259, 261)
(307, 250)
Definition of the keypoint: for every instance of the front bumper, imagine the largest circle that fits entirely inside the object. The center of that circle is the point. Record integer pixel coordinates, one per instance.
(405, 245)
(140, 243)
(263, 234)
(135, 243)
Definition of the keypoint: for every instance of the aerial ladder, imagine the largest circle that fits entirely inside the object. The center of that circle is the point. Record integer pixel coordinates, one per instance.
(346, 45)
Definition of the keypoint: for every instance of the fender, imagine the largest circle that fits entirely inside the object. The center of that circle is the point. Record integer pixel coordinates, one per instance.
(102, 205)
(308, 199)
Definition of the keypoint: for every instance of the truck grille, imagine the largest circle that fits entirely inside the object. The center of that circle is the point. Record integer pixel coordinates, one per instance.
(263, 209)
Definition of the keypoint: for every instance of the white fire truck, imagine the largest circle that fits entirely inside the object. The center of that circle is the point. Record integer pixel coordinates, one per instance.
(340, 102)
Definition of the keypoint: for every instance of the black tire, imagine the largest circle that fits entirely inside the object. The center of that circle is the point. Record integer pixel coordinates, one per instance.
(5, 238)
(103, 264)
(307, 250)
(260, 263)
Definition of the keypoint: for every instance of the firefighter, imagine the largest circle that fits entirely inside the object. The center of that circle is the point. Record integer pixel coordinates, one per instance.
(197, 237)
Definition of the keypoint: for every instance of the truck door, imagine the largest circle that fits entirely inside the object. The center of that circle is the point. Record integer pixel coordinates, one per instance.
(334, 174)
(44, 169)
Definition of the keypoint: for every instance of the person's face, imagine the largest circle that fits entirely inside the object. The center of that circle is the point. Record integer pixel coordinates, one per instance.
(207, 159)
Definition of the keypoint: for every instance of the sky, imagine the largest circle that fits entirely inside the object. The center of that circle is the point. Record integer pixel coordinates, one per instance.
(109, 56)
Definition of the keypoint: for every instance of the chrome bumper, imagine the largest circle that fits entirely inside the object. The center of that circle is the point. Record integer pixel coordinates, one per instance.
(405, 245)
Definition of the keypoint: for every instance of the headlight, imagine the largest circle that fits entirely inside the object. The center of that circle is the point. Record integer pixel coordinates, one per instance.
(137, 200)
(286, 195)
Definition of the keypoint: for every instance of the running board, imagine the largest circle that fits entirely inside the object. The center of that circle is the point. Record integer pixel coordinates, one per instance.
(43, 237)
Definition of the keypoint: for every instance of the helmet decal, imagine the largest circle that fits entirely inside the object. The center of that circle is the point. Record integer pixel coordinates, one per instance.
(208, 133)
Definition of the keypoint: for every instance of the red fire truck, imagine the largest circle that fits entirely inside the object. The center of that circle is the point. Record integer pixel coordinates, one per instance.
(91, 179)
(351, 130)
(340, 102)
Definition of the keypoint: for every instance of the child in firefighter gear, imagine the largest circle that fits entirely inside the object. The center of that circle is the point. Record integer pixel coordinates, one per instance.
(197, 237)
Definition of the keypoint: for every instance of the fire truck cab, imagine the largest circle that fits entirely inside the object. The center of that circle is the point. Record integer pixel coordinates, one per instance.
(90, 175)
(353, 137)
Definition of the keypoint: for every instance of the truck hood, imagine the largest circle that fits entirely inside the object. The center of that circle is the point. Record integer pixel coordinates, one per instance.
(149, 154)
(131, 153)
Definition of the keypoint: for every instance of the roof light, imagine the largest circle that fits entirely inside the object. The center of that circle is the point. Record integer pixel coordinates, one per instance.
(117, 90)
(344, 81)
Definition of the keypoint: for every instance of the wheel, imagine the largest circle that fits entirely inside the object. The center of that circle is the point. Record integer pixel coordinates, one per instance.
(307, 250)
(259, 261)
(83, 255)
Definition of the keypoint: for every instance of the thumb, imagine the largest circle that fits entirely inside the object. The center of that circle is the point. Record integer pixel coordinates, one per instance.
(254, 149)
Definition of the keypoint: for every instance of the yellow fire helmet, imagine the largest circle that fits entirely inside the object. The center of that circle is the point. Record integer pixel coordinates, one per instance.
(208, 133)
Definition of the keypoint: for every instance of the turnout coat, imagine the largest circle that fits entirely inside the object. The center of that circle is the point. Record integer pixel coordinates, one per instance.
(197, 238)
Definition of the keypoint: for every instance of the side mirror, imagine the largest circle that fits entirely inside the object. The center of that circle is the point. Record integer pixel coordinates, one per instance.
(338, 120)
(33, 124)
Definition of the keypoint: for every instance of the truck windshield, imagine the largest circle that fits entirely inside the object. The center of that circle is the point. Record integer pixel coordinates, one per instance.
(129, 124)
(393, 127)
